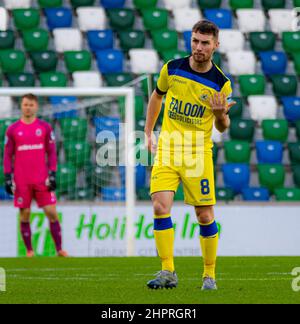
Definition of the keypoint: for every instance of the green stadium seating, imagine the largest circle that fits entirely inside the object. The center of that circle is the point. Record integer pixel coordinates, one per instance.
(242, 129)
(78, 60)
(291, 42)
(144, 83)
(224, 194)
(121, 19)
(101, 177)
(53, 79)
(73, 128)
(143, 194)
(296, 59)
(284, 85)
(12, 61)
(273, 4)
(1, 176)
(271, 176)
(237, 151)
(26, 19)
(81, 194)
(7, 39)
(132, 39)
(155, 19)
(215, 151)
(252, 84)
(21, 80)
(77, 152)
(4, 123)
(287, 194)
(82, 3)
(217, 59)
(296, 174)
(44, 61)
(139, 107)
(262, 41)
(140, 124)
(241, 4)
(275, 129)
(236, 111)
(298, 129)
(118, 79)
(36, 40)
(66, 178)
(145, 4)
(173, 55)
(296, 3)
(179, 195)
(164, 40)
(294, 152)
(50, 3)
(209, 4)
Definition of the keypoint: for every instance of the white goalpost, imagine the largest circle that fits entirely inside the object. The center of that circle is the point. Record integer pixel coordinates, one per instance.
(129, 141)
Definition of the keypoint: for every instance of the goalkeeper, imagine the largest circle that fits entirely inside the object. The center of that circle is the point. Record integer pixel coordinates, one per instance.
(197, 96)
(29, 166)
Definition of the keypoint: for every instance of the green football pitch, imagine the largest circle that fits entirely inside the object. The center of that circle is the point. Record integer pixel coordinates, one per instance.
(122, 281)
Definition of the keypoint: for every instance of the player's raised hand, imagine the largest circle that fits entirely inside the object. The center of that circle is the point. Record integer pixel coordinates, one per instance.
(9, 184)
(219, 105)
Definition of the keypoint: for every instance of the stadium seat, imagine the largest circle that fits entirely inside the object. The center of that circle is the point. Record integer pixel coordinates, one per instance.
(113, 194)
(241, 62)
(77, 152)
(67, 39)
(50, 3)
(273, 62)
(241, 4)
(7, 39)
(143, 194)
(91, 18)
(1, 176)
(178, 4)
(78, 61)
(236, 176)
(53, 79)
(186, 18)
(269, 152)
(287, 194)
(21, 80)
(36, 40)
(262, 41)
(140, 176)
(173, 55)
(280, 20)
(296, 3)
(138, 107)
(252, 84)
(231, 40)
(87, 79)
(101, 176)
(144, 61)
(66, 178)
(242, 129)
(12, 61)
(58, 17)
(132, 39)
(262, 107)
(271, 4)
(294, 152)
(237, 110)
(6, 105)
(100, 39)
(155, 19)
(4, 196)
(251, 20)
(144, 4)
(82, 3)
(64, 107)
(296, 174)
(224, 194)
(221, 17)
(255, 194)
(187, 36)
(85, 194)
(291, 108)
(44, 61)
(284, 85)
(109, 4)
(271, 176)
(298, 129)
(117, 79)
(110, 61)
(121, 19)
(237, 151)
(296, 59)
(110, 124)
(209, 4)
(14, 4)
(4, 19)
(164, 40)
(275, 130)
(73, 128)
(26, 19)
(291, 42)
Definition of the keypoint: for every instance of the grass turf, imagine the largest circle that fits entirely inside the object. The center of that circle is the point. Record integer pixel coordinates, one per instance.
(122, 281)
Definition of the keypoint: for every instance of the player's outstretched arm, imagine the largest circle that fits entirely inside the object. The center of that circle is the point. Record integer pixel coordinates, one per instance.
(153, 110)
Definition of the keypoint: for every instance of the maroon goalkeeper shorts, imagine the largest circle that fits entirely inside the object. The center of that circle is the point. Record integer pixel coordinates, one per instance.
(24, 195)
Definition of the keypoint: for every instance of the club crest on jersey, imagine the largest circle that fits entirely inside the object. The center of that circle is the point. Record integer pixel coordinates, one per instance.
(38, 132)
(20, 200)
(205, 95)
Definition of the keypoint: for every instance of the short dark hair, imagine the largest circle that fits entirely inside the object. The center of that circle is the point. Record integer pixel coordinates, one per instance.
(206, 27)
(30, 96)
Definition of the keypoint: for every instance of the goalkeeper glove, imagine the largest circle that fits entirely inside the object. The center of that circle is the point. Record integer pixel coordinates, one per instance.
(51, 183)
(9, 184)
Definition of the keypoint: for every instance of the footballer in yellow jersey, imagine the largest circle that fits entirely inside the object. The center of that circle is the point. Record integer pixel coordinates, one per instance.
(197, 96)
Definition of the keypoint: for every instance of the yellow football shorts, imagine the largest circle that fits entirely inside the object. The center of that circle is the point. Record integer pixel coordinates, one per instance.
(198, 188)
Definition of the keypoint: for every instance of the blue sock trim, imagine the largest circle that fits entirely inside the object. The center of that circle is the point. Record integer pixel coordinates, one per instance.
(209, 230)
(161, 224)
